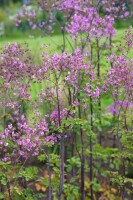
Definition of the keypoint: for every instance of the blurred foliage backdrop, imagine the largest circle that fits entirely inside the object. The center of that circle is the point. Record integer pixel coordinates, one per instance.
(9, 8)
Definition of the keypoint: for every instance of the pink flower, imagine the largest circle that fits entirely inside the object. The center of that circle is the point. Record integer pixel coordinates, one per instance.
(7, 85)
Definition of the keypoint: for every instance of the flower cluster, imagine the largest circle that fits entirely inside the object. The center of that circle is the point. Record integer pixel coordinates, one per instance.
(120, 76)
(89, 21)
(22, 139)
(80, 16)
(119, 105)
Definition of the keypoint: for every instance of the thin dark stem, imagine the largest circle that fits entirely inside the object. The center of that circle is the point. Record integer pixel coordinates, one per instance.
(82, 157)
(61, 168)
(73, 145)
(98, 59)
(64, 40)
(73, 133)
(61, 186)
(69, 43)
(49, 178)
(91, 103)
(110, 45)
(99, 77)
(9, 190)
(91, 145)
(91, 167)
(123, 172)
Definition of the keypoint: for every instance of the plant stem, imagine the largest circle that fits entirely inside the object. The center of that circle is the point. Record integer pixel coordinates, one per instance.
(82, 157)
(61, 186)
(91, 145)
(99, 99)
(49, 177)
(110, 45)
(9, 190)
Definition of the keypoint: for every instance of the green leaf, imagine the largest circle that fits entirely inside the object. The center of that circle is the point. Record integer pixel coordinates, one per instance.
(1, 195)
(42, 157)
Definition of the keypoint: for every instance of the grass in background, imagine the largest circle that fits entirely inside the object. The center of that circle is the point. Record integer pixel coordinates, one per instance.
(54, 43)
